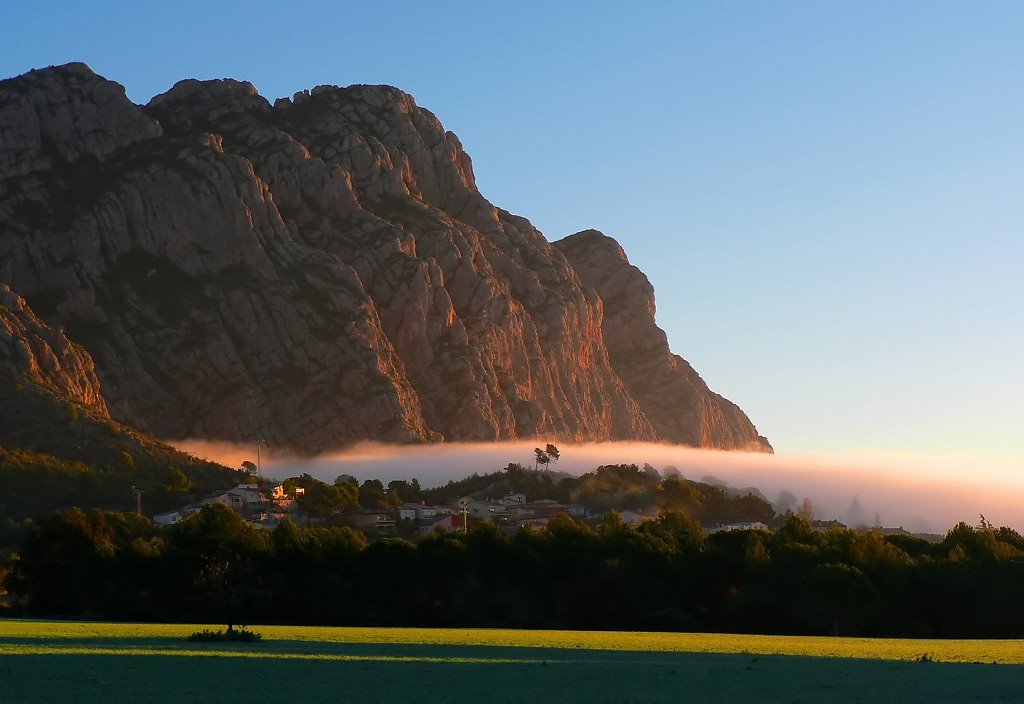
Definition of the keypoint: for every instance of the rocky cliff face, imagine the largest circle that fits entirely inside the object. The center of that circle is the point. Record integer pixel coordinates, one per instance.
(36, 358)
(667, 389)
(319, 271)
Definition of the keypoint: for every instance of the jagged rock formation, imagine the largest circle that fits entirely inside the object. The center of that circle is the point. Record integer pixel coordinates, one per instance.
(315, 272)
(668, 390)
(34, 356)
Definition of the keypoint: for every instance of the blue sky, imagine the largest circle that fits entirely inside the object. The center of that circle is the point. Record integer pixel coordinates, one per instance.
(827, 196)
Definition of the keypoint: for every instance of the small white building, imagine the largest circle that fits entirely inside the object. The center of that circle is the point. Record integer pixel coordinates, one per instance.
(416, 512)
(276, 491)
(744, 525)
(167, 519)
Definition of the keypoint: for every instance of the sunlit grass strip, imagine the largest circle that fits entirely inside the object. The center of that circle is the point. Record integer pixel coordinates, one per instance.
(987, 651)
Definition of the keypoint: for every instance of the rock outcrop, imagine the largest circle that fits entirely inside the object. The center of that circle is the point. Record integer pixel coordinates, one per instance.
(320, 271)
(36, 358)
(668, 390)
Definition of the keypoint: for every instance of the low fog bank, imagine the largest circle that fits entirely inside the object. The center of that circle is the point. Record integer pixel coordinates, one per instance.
(919, 494)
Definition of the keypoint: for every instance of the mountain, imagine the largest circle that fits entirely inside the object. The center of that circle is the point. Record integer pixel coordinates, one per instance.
(59, 447)
(319, 271)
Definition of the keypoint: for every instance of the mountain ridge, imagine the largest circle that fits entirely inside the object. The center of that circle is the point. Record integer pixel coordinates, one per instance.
(320, 271)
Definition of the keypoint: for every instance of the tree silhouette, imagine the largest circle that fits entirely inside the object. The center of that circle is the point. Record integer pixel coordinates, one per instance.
(541, 458)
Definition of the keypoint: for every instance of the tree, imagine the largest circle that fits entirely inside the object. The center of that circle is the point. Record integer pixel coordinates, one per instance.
(371, 494)
(785, 502)
(324, 500)
(406, 492)
(215, 562)
(541, 458)
(71, 545)
(176, 481)
(841, 597)
(248, 467)
(806, 509)
(552, 452)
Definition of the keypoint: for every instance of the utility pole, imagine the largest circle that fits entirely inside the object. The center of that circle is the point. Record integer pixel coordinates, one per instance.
(259, 444)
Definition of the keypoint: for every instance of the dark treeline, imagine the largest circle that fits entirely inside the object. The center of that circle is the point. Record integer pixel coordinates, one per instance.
(664, 574)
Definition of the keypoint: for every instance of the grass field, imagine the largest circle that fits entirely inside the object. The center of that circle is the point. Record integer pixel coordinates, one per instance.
(43, 661)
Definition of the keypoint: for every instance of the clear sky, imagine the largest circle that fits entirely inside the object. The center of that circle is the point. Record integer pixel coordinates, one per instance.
(827, 196)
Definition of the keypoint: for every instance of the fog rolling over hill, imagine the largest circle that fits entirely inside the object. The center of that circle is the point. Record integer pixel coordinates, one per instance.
(321, 271)
(918, 493)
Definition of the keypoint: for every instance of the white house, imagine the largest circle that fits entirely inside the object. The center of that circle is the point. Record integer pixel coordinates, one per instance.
(276, 491)
(167, 519)
(748, 525)
(417, 512)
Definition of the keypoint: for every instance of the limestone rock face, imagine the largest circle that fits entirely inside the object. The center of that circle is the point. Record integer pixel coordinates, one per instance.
(316, 272)
(668, 390)
(32, 354)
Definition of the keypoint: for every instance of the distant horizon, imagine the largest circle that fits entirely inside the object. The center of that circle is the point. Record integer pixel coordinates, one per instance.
(825, 198)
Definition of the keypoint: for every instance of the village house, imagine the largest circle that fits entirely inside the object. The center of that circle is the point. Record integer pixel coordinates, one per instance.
(447, 522)
(483, 510)
(246, 499)
(416, 512)
(169, 518)
(747, 525)
(379, 521)
(513, 499)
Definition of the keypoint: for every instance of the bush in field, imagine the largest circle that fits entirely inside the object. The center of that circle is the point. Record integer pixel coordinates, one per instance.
(231, 635)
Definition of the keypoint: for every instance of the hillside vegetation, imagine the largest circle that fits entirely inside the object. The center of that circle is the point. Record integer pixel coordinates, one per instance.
(619, 486)
(61, 454)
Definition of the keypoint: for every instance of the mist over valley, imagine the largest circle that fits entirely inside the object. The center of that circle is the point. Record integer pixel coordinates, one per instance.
(925, 495)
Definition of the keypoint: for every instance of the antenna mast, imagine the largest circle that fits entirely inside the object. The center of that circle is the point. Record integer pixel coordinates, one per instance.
(259, 444)
(137, 493)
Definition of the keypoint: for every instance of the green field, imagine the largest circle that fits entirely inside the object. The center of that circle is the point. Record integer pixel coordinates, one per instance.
(43, 661)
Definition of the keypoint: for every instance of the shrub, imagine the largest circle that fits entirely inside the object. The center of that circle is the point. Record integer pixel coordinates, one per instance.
(231, 635)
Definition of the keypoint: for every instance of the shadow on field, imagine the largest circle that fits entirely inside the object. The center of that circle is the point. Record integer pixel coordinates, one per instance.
(303, 671)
